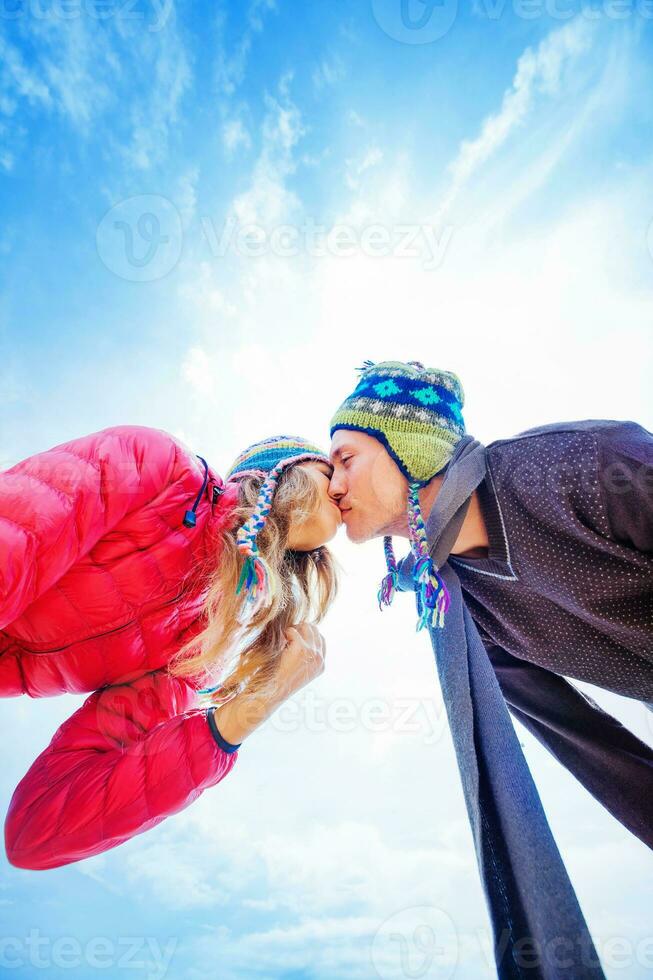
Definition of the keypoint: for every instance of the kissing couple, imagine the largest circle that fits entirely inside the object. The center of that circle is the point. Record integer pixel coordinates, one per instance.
(187, 604)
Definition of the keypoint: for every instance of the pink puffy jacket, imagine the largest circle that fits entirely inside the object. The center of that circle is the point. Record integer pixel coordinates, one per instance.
(102, 576)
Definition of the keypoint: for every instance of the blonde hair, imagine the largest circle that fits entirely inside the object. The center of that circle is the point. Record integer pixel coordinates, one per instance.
(302, 587)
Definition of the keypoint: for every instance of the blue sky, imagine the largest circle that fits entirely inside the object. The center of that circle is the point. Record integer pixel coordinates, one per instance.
(513, 146)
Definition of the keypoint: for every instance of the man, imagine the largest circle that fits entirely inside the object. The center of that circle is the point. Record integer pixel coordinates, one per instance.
(549, 535)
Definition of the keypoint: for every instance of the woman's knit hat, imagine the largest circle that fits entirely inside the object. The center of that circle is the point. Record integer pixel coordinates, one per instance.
(268, 458)
(416, 412)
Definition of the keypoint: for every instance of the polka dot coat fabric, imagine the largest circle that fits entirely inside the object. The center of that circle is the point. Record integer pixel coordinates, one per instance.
(568, 582)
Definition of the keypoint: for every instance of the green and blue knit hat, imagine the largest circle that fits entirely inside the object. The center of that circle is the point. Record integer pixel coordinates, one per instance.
(416, 412)
(268, 458)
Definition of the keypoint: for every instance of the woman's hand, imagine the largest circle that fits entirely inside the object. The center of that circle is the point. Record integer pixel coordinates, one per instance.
(302, 660)
(300, 663)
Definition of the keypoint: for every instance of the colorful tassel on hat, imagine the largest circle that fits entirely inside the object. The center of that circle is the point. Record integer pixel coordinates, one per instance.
(255, 579)
(432, 594)
(254, 576)
(388, 586)
(209, 690)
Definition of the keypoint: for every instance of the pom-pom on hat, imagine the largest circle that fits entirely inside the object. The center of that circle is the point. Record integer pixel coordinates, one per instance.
(268, 458)
(416, 412)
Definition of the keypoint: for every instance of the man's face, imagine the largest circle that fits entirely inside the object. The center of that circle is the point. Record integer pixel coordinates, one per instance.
(367, 484)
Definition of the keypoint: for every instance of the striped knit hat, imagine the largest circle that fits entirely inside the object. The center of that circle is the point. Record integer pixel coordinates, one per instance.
(268, 458)
(416, 412)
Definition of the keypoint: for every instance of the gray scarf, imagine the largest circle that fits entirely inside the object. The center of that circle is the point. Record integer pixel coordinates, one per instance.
(526, 885)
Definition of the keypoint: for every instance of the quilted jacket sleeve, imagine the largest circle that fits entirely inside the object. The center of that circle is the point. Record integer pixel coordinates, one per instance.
(130, 756)
(55, 505)
(612, 763)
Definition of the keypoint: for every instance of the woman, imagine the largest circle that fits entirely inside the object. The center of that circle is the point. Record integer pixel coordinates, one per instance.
(111, 582)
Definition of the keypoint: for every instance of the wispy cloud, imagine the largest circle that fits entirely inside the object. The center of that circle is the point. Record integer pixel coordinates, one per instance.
(233, 54)
(329, 72)
(85, 72)
(19, 81)
(356, 168)
(235, 135)
(62, 75)
(268, 200)
(166, 78)
(327, 947)
(539, 71)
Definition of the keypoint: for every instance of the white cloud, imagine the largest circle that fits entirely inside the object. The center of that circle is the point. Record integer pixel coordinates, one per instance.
(329, 72)
(538, 71)
(172, 877)
(334, 866)
(355, 118)
(372, 157)
(268, 201)
(166, 76)
(185, 195)
(88, 71)
(257, 11)
(201, 291)
(234, 135)
(233, 54)
(7, 161)
(329, 948)
(20, 80)
(63, 74)
(197, 370)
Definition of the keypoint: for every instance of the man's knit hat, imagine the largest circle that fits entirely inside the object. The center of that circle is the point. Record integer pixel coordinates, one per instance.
(268, 458)
(416, 412)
